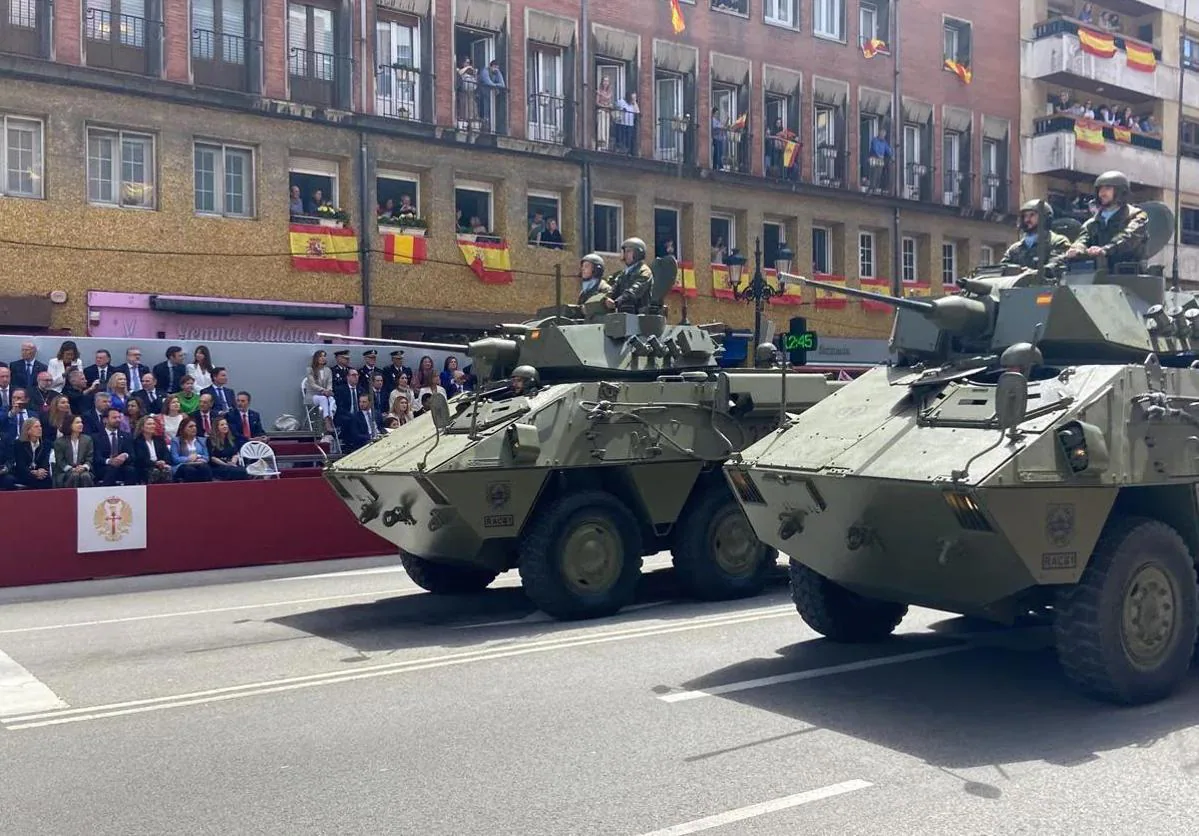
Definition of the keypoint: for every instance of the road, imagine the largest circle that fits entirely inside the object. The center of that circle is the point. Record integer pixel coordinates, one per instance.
(340, 699)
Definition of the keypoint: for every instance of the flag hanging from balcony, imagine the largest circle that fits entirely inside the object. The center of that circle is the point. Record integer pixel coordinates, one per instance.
(721, 288)
(792, 293)
(405, 249)
(882, 286)
(873, 47)
(1089, 135)
(323, 249)
(488, 259)
(739, 123)
(964, 73)
(826, 299)
(1099, 44)
(1121, 134)
(1140, 57)
(790, 153)
(676, 17)
(685, 281)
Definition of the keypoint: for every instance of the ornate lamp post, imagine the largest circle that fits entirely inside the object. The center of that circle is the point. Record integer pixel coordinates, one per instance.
(757, 290)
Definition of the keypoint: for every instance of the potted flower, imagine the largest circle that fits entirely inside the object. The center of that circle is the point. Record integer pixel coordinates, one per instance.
(330, 215)
(407, 222)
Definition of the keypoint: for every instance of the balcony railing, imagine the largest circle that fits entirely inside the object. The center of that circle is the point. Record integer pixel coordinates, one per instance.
(480, 108)
(220, 59)
(1062, 124)
(829, 167)
(616, 130)
(119, 42)
(955, 187)
(917, 182)
(549, 119)
(313, 75)
(1069, 26)
(24, 28)
(876, 175)
(672, 140)
(774, 153)
(398, 92)
(733, 151)
(994, 196)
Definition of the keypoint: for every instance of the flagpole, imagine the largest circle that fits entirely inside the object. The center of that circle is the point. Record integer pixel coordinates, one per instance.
(896, 158)
(1182, 74)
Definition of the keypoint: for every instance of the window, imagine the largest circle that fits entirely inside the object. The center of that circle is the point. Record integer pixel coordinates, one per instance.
(672, 120)
(474, 204)
(829, 18)
(21, 149)
(396, 192)
(22, 14)
(867, 23)
(397, 82)
(607, 220)
(733, 7)
(544, 77)
(1190, 53)
(866, 255)
(541, 209)
(666, 232)
(820, 250)
(224, 180)
(313, 182)
(991, 180)
(957, 40)
(949, 263)
(909, 252)
(1190, 226)
(825, 145)
(122, 21)
(774, 235)
(310, 46)
(723, 237)
(219, 30)
(986, 255)
(780, 12)
(913, 167)
(951, 163)
(120, 168)
(1190, 139)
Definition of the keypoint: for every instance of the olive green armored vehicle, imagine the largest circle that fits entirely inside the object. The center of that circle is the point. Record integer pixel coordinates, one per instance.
(593, 439)
(1033, 452)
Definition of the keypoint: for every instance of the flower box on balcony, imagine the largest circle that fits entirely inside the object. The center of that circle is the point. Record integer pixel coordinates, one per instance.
(416, 231)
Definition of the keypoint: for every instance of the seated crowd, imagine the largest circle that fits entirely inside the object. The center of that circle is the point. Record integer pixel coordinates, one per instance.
(63, 424)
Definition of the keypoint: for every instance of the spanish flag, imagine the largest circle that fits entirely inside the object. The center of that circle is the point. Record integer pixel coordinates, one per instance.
(826, 299)
(323, 249)
(882, 286)
(1122, 134)
(873, 47)
(1097, 43)
(488, 259)
(721, 288)
(963, 72)
(1140, 57)
(676, 17)
(790, 153)
(792, 293)
(739, 123)
(1089, 135)
(405, 249)
(684, 282)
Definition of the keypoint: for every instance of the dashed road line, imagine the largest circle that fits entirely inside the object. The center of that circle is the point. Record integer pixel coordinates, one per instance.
(762, 809)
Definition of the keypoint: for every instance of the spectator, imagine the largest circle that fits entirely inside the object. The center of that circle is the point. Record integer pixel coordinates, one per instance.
(41, 396)
(73, 454)
(364, 426)
(118, 391)
(453, 379)
(81, 396)
(133, 415)
(318, 386)
(246, 424)
(222, 396)
(426, 375)
(18, 414)
(31, 457)
(94, 420)
(401, 408)
(152, 458)
(189, 454)
(172, 417)
(55, 418)
(201, 368)
(169, 374)
(113, 461)
(7, 480)
(5, 389)
(551, 238)
(152, 398)
(100, 370)
(402, 390)
(346, 394)
(133, 368)
(380, 400)
(67, 358)
(189, 398)
(205, 417)
(296, 204)
(25, 370)
(222, 454)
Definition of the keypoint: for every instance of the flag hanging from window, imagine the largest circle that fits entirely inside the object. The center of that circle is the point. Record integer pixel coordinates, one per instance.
(739, 123)
(873, 47)
(1099, 44)
(790, 153)
(1140, 57)
(488, 259)
(676, 17)
(323, 249)
(1089, 135)
(1121, 134)
(684, 282)
(963, 72)
(405, 249)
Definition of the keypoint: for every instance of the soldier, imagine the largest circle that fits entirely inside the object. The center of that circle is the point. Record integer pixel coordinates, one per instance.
(1023, 253)
(342, 367)
(591, 276)
(392, 373)
(367, 371)
(1120, 230)
(634, 283)
(524, 381)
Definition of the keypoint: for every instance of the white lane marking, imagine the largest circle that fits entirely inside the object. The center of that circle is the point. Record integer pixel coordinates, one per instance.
(815, 673)
(273, 686)
(755, 810)
(184, 613)
(539, 617)
(348, 573)
(21, 692)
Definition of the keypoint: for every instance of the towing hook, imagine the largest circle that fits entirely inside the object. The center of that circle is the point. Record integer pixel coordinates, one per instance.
(791, 523)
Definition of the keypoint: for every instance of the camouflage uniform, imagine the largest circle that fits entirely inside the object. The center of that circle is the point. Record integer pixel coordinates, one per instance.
(1024, 256)
(633, 284)
(1124, 236)
(597, 273)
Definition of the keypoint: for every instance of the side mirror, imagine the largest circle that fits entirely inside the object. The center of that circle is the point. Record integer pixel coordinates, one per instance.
(439, 408)
(524, 443)
(1011, 400)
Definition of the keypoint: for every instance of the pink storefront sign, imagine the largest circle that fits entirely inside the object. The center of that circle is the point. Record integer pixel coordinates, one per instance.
(129, 315)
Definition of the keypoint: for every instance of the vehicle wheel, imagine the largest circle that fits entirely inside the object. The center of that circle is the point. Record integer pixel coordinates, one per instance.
(580, 557)
(1125, 632)
(446, 578)
(717, 556)
(839, 614)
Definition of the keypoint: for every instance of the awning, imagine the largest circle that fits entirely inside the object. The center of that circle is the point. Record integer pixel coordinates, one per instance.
(420, 8)
(873, 101)
(482, 14)
(549, 29)
(830, 92)
(214, 307)
(615, 43)
(918, 112)
(995, 128)
(956, 119)
(675, 57)
(729, 69)
(781, 80)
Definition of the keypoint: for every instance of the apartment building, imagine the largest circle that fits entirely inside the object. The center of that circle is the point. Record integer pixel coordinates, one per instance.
(1100, 85)
(166, 156)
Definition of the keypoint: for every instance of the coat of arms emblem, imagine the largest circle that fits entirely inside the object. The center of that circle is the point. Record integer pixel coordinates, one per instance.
(113, 518)
(316, 247)
(1059, 523)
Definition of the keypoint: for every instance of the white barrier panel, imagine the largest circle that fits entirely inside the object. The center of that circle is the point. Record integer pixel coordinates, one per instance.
(110, 519)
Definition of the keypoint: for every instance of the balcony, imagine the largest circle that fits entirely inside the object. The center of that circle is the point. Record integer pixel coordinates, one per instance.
(550, 119)
(25, 28)
(673, 141)
(398, 90)
(828, 168)
(1055, 149)
(480, 108)
(1055, 56)
(222, 60)
(995, 191)
(956, 188)
(616, 130)
(876, 175)
(782, 157)
(314, 75)
(918, 182)
(121, 42)
(734, 152)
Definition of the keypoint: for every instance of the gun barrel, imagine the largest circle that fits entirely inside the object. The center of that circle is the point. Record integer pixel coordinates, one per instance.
(459, 348)
(918, 305)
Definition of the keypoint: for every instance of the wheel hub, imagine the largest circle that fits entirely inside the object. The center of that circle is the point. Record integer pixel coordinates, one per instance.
(735, 547)
(1149, 616)
(592, 556)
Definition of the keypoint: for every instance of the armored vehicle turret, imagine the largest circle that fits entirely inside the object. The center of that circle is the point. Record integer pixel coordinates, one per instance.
(594, 438)
(1033, 450)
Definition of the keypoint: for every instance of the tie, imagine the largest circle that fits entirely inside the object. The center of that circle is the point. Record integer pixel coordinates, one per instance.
(104, 375)
(224, 404)
(135, 380)
(4, 399)
(29, 372)
(112, 440)
(245, 425)
(207, 425)
(20, 422)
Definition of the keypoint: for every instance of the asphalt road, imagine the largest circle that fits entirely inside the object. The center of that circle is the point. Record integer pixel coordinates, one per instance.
(311, 701)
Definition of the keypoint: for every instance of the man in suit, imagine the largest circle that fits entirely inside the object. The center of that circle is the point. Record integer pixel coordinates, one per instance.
(245, 423)
(151, 397)
(223, 399)
(397, 368)
(114, 452)
(205, 416)
(13, 421)
(25, 370)
(133, 368)
(341, 367)
(6, 389)
(380, 397)
(101, 370)
(41, 396)
(363, 426)
(78, 392)
(169, 373)
(95, 418)
(7, 481)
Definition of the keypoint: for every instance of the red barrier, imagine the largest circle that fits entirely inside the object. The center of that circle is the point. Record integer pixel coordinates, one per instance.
(191, 527)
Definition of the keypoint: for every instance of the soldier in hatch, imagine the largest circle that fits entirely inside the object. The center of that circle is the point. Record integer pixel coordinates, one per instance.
(591, 278)
(1023, 253)
(634, 283)
(523, 381)
(1120, 230)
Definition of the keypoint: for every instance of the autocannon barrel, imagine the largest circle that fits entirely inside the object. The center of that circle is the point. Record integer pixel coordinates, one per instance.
(949, 313)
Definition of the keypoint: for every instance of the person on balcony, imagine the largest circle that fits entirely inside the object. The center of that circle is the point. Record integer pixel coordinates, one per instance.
(603, 114)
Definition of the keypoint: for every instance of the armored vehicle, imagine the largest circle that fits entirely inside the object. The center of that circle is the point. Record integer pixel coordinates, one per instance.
(1033, 453)
(598, 440)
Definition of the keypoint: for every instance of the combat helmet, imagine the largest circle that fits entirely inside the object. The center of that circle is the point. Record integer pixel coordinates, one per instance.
(526, 375)
(636, 245)
(596, 261)
(1114, 178)
(1034, 206)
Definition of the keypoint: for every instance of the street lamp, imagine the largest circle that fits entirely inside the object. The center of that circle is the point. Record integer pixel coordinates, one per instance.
(758, 291)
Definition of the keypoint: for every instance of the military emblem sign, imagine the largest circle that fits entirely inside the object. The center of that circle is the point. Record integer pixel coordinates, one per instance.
(111, 519)
(1059, 524)
(498, 494)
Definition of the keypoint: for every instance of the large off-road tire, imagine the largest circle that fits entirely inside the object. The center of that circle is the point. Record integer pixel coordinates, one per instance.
(717, 556)
(838, 614)
(446, 578)
(1125, 632)
(580, 556)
